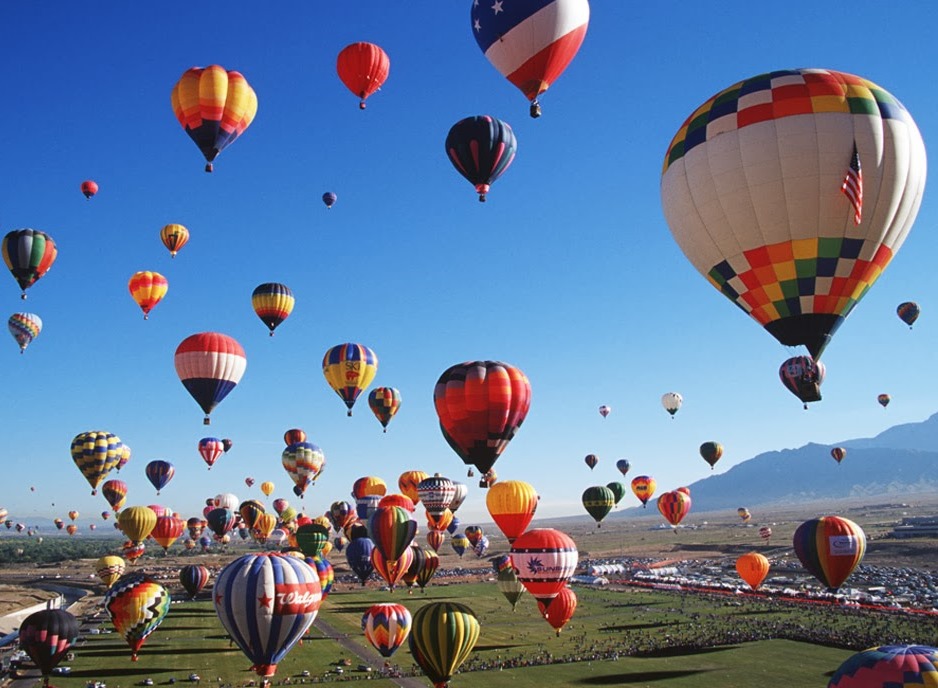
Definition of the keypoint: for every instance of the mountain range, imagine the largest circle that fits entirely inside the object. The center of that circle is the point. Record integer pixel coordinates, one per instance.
(900, 461)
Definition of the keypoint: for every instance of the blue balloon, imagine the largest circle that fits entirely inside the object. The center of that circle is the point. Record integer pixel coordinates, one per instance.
(481, 148)
(358, 555)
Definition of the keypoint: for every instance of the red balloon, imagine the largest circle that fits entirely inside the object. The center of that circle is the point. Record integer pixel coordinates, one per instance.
(89, 188)
(481, 405)
(560, 610)
(674, 506)
(363, 68)
(545, 559)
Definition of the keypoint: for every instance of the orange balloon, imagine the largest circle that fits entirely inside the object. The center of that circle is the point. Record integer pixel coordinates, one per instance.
(752, 567)
(560, 610)
(147, 289)
(512, 504)
(363, 68)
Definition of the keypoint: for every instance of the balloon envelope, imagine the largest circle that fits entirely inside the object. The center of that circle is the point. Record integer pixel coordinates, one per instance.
(24, 327)
(752, 189)
(28, 254)
(46, 637)
(363, 68)
(349, 369)
(481, 148)
(908, 312)
(887, 666)
(829, 548)
(442, 636)
(209, 365)
(752, 567)
(386, 626)
(137, 605)
(512, 504)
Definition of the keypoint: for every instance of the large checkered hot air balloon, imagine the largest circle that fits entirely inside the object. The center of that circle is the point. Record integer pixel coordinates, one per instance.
(889, 666)
(530, 43)
(210, 365)
(137, 605)
(266, 602)
(791, 192)
(214, 106)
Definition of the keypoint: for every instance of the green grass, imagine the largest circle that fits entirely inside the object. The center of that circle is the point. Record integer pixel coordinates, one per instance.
(192, 640)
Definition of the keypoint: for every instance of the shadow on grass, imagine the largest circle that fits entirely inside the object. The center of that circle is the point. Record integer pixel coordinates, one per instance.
(635, 627)
(688, 651)
(638, 677)
(483, 648)
(121, 672)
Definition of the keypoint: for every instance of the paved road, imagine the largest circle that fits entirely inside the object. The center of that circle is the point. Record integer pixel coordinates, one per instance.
(365, 657)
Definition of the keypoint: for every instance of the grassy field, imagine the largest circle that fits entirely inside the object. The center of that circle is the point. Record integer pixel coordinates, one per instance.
(191, 640)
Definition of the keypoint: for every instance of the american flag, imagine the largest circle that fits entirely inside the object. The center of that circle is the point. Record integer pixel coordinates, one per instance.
(853, 186)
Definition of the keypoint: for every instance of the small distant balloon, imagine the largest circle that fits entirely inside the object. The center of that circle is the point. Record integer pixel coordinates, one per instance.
(89, 188)
(802, 376)
(329, 198)
(671, 401)
(24, 327)
(174, 237)
(908, 312)
(838, 453)
(605, 410)
(884, 400)
(711, 452)
(591, 460)
(623, 465)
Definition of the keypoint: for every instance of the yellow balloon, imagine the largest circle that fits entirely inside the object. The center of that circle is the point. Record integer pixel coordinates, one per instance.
(267, 488)
(137, 522)
(109, 568)
(512, 504)
(349, 369)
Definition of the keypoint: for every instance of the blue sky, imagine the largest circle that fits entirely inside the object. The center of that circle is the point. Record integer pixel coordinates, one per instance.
(568, 272)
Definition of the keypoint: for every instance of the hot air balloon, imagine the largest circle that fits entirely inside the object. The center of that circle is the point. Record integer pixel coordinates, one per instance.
(325, 572)
(561, 609)
(436, 538)
(545, 559)
(430, 564)
(210, 448)
(358, 555)
(436, 493)
(137, 605)
(95, 453)
(167, 530)
(349, 369)
(73, 515)
(28, 253)
(126, 453)
(481, 405)
(409, 482)
(363, 68)
(674, 506)
(59, 523)
(312, 538)
(591, 460)
(509, 585)
(249, 512)
(752, 567)
(174, 237)
(137, 522)
(531, 44)
(159, 473)
(384, 403)
(671, 401)
(273, 302)
(193, 578)
(643, 487)
(908, 312)
(605, 410)
(226, 445)
(711, 452)
(89, 188)
(267, 488)
(294, 435)
(24, 327)
(757, 195)
(147, 289)
(392, 570)
(829, 548)
(441, 638)
(623, 465)
(109, 568)
(264, 525)
(46, 636)
(884, 400)
(512, 504)
(598, 502)
(266, 602)
(329, 198)
(209, 365)
(386, 626)
(481, 148)
(618, 491)
(392, 530)
(214, 106)
(887, 666)
(220, 520)
(459, 543)
(744, 514)
(369, 486)
(838, 453)
(400, 500)
(303, 462)
(765, 532)
(802, 376)
(459, 496)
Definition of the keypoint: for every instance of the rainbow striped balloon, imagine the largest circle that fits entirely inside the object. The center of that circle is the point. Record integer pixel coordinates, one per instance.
(387, 626)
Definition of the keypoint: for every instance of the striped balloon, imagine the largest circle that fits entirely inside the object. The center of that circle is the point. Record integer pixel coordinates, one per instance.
(392, 570)
(96, 453)
(214, 106)
(392, 530)
(889, 666)
(512, 504)
(830, 548)
(303, 462)
(210, 448)
(24, 327)
(349, 369)
(46, 637)
(210, 365)
(481, 148)
(386, 626)
(273, 302)
(531, 43)
(174, 237)
(137, 605)
(193, 578)
(147, 289)
(442, 636)
(674, 506)
(29, 254)
(266, 602)
(325, 572)
(436, 493)
(545, 559)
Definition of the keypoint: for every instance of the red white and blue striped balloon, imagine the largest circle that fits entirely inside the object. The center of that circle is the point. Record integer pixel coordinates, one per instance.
(210, 365)
(530, 42)
(266, 602)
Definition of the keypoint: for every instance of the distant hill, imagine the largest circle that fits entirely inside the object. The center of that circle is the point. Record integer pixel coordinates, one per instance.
(899, 461)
